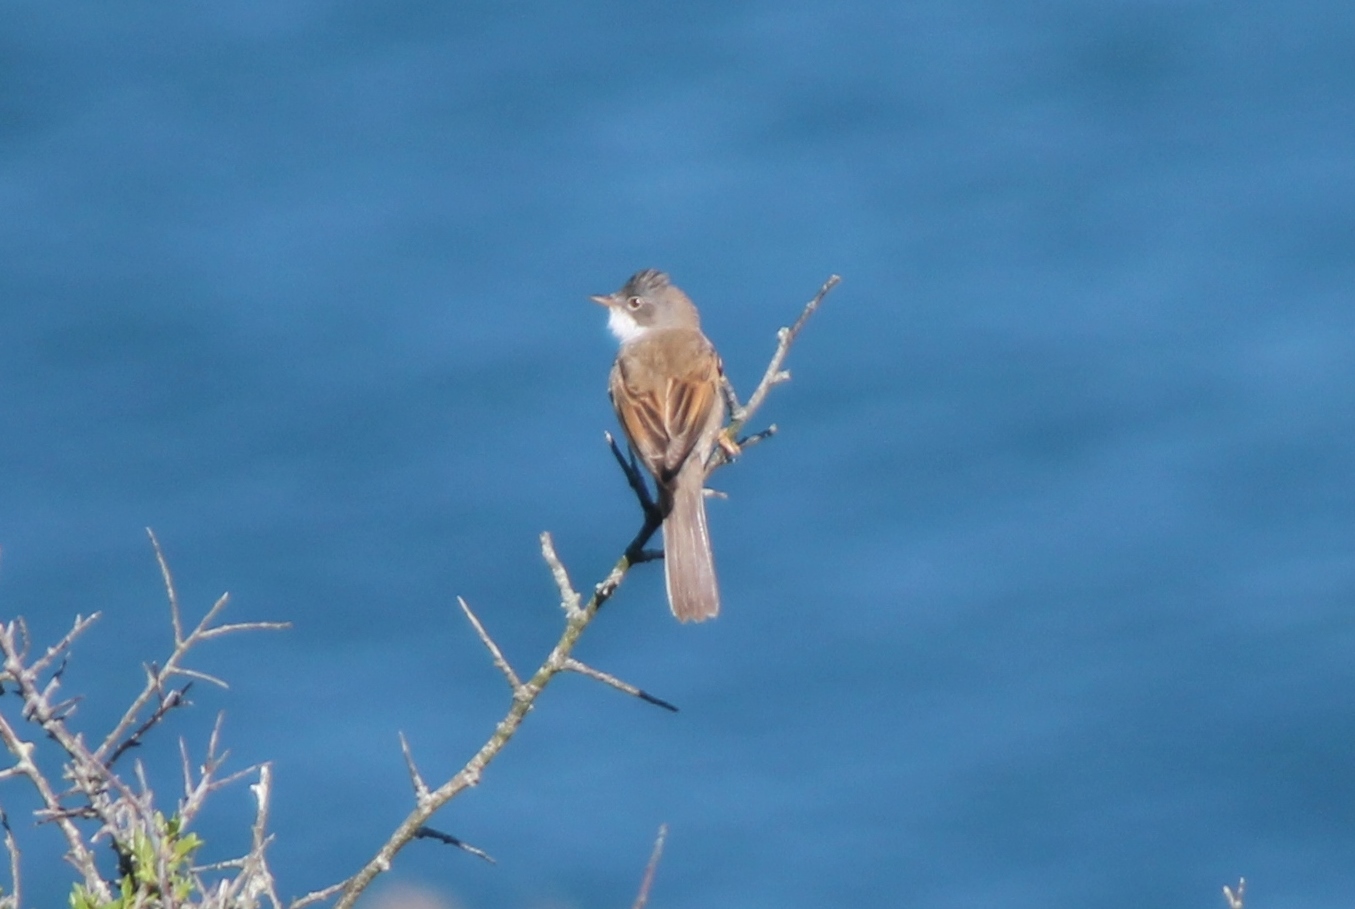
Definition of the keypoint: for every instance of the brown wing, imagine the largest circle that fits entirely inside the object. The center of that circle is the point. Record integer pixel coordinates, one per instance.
(641, 412)
(666, 415)
(690, 402)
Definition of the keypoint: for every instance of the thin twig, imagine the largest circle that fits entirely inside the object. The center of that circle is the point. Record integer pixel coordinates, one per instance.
(774, 374)
(157, 680)
(202, 677)
(415, 778)
(236, 627)
(494, 652)
(636, 553)
(574, 665)
(749, 441)
(785, 338)
(428, 833)
(650, 869)
(175, 618)
(634, 477)
(1234, 897)
(177, 697)
(58, 649)
(318, 896)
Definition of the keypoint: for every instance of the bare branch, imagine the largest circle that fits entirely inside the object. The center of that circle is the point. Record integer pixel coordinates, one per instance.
(177, 697)
(59, 648)
(35, 709)
(650, 869)
(494, 652)
(123, 811)
(785, 338)
(774, 374)
(1234, 897)
(157, 678)
(574, 665)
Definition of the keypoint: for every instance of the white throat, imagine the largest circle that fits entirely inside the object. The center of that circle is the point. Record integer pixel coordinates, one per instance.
(623, 325)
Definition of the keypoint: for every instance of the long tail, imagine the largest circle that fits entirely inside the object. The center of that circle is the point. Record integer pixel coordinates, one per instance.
(689, 567)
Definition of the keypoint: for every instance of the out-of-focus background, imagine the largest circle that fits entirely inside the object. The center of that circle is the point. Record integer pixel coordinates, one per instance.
(1043, 596)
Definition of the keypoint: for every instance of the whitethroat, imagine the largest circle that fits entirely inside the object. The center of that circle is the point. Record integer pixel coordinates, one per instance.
(666, 388)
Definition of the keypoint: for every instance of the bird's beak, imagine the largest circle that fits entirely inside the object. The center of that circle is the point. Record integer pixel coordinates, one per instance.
(607, 300)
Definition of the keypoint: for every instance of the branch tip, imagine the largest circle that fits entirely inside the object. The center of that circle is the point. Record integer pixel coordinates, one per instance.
(651, 868)
(584, 669)
(415, 778)
(495, 653)
(569, 598)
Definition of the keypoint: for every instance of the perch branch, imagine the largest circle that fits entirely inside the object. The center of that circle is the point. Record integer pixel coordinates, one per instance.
(774, 375)
(578, 616)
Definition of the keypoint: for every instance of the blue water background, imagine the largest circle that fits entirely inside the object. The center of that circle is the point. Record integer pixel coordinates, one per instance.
(1044, 595)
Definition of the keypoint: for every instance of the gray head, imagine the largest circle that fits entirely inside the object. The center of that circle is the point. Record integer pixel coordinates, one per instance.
(648, 301)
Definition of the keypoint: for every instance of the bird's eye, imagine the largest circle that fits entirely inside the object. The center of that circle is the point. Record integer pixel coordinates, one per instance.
(633, 303)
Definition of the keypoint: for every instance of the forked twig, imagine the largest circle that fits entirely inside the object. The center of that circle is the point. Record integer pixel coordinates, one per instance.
(118, 739)
(124, 807)
(774, 375)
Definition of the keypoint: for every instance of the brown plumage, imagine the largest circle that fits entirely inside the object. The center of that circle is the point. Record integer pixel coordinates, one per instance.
(665, 386)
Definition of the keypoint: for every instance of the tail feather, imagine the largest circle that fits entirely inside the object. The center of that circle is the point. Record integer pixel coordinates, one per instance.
(689, 566)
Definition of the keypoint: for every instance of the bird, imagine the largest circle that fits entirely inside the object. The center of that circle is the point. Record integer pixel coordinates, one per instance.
(666, 388)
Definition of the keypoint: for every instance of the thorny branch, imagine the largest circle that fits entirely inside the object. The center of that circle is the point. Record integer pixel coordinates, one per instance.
(124, 811)
(118, 740)
(578, 615)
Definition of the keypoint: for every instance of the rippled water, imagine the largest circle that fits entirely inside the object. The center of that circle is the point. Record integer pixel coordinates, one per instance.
(1043, 593)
